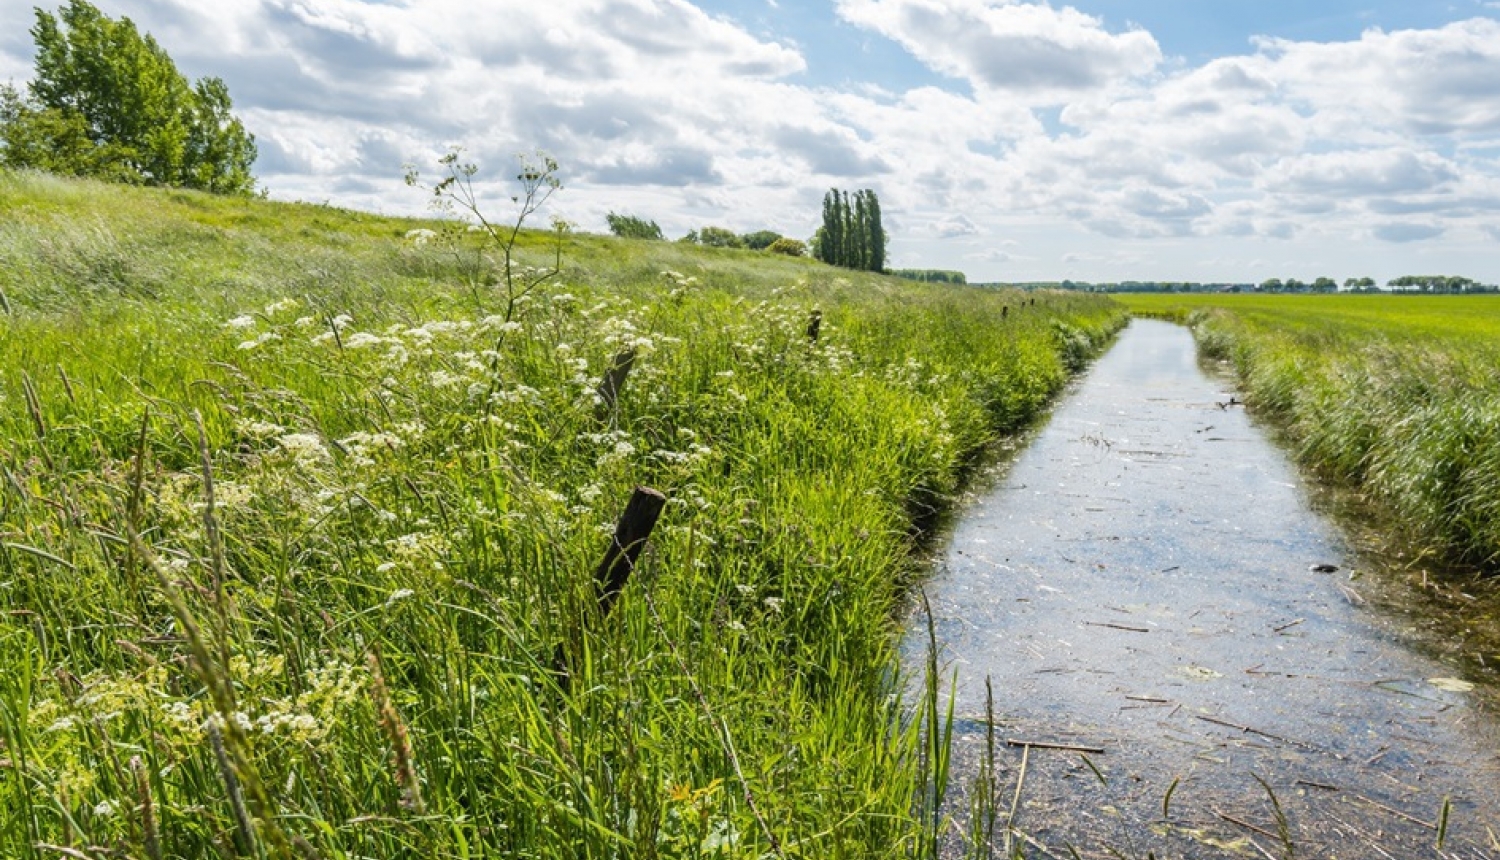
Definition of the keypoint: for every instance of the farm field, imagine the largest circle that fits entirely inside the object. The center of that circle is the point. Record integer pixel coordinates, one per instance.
(299, 519)
(1396, 396)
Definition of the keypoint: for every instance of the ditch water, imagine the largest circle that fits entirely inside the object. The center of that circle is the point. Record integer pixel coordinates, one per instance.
(1149, 579)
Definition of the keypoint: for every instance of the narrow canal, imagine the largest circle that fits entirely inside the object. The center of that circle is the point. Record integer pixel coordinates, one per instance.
(1147, 582)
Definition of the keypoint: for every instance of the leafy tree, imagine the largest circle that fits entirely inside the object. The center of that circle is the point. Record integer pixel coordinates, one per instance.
(1325, 285)
(789, 247)
(718, 237)
(108, 102)
(1271, 285)
(633, 227)
(760, 239)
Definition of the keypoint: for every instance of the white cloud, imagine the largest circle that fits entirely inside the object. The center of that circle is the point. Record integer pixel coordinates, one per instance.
(1029, 51)
(1053, 126)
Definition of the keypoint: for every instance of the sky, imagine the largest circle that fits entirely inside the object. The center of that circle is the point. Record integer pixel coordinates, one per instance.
(1099, 140)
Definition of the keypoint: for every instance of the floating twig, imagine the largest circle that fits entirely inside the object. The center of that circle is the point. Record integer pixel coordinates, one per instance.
(1053, 745)
(1289, 625)
(1247, 825)
(1253, 731)
(1116, 626)
(1396, 812)
(1310, 784)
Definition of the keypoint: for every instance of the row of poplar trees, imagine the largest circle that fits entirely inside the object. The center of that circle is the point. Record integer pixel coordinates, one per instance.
(851, 235)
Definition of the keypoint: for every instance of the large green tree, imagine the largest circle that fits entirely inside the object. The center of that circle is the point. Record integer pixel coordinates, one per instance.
(852, 235)
(107, 101)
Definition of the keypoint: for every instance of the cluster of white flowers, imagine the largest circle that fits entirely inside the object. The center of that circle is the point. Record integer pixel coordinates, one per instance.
(241, 321)
(262, 340)
(363, 447)
(306, 449)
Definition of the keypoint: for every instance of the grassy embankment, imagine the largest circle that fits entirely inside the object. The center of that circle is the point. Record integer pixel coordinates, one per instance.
(333, 633)
(1397, 396)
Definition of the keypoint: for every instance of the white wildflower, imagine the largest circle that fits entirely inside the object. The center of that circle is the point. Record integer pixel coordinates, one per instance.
(242, 321)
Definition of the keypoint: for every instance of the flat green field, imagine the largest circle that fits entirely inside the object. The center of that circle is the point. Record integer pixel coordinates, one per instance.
(1440, 317)
(1398, 396)
(298, 530)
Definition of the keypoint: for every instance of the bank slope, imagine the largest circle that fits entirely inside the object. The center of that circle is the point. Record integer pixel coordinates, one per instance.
(297, 531)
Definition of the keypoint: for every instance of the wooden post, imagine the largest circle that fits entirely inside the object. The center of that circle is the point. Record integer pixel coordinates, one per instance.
(625, 547)
(1004, 311)
(613, 382)
(631, 532)
(814, 325)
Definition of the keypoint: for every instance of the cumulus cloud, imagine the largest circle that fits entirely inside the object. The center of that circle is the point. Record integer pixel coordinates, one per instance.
(1029, 50)
(1047, 121)
(958, 225)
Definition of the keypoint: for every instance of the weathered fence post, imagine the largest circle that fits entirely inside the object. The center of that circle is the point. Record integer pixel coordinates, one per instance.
(632, 530)
(1004, 311)
(613, 382)
(814, 325)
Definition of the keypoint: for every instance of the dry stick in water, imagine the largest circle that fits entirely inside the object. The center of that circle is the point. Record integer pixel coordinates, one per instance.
(1052, 745)
(1015, 802)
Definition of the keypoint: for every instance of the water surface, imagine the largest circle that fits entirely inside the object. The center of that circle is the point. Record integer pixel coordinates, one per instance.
(1148, 578)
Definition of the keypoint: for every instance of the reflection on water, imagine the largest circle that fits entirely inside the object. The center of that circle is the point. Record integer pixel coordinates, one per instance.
(1148, 577)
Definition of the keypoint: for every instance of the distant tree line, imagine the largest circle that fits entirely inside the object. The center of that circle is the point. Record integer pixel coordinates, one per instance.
(936, 276)
(759, 240)
(1405, 283)
(107, 102)
(1439, 284)
(851, 235)
(636, 227)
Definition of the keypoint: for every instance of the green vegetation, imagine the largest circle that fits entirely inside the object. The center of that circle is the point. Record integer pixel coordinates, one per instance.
(851, 235)
(932, 276)
(108, 102)
(295, 525)
(1397, 396)
(633, 227)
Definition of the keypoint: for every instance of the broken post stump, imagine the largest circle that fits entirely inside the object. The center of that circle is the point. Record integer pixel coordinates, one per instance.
(632, 530)
(814, 325)
(613, 382)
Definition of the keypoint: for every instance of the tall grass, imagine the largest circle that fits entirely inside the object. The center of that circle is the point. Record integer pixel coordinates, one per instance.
(292, 526)
(1395, 395)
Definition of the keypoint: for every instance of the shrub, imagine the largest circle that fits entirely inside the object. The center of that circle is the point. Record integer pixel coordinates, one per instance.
(789, 247)
(633, 227)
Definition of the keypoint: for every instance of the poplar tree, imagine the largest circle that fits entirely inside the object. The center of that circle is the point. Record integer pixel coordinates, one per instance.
(852, 235)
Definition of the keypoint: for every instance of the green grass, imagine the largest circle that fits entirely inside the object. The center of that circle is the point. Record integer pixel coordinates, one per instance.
(397, 471)
(1395, 395)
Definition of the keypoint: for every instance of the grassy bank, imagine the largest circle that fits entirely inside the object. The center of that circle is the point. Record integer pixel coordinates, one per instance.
(1395, 395)
(295, 528)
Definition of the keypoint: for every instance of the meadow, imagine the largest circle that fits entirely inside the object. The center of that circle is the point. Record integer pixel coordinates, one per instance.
(300, 512)
(1394, 395)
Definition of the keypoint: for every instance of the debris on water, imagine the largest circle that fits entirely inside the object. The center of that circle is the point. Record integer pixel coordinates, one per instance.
(1451, 685)
(1324, 568)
